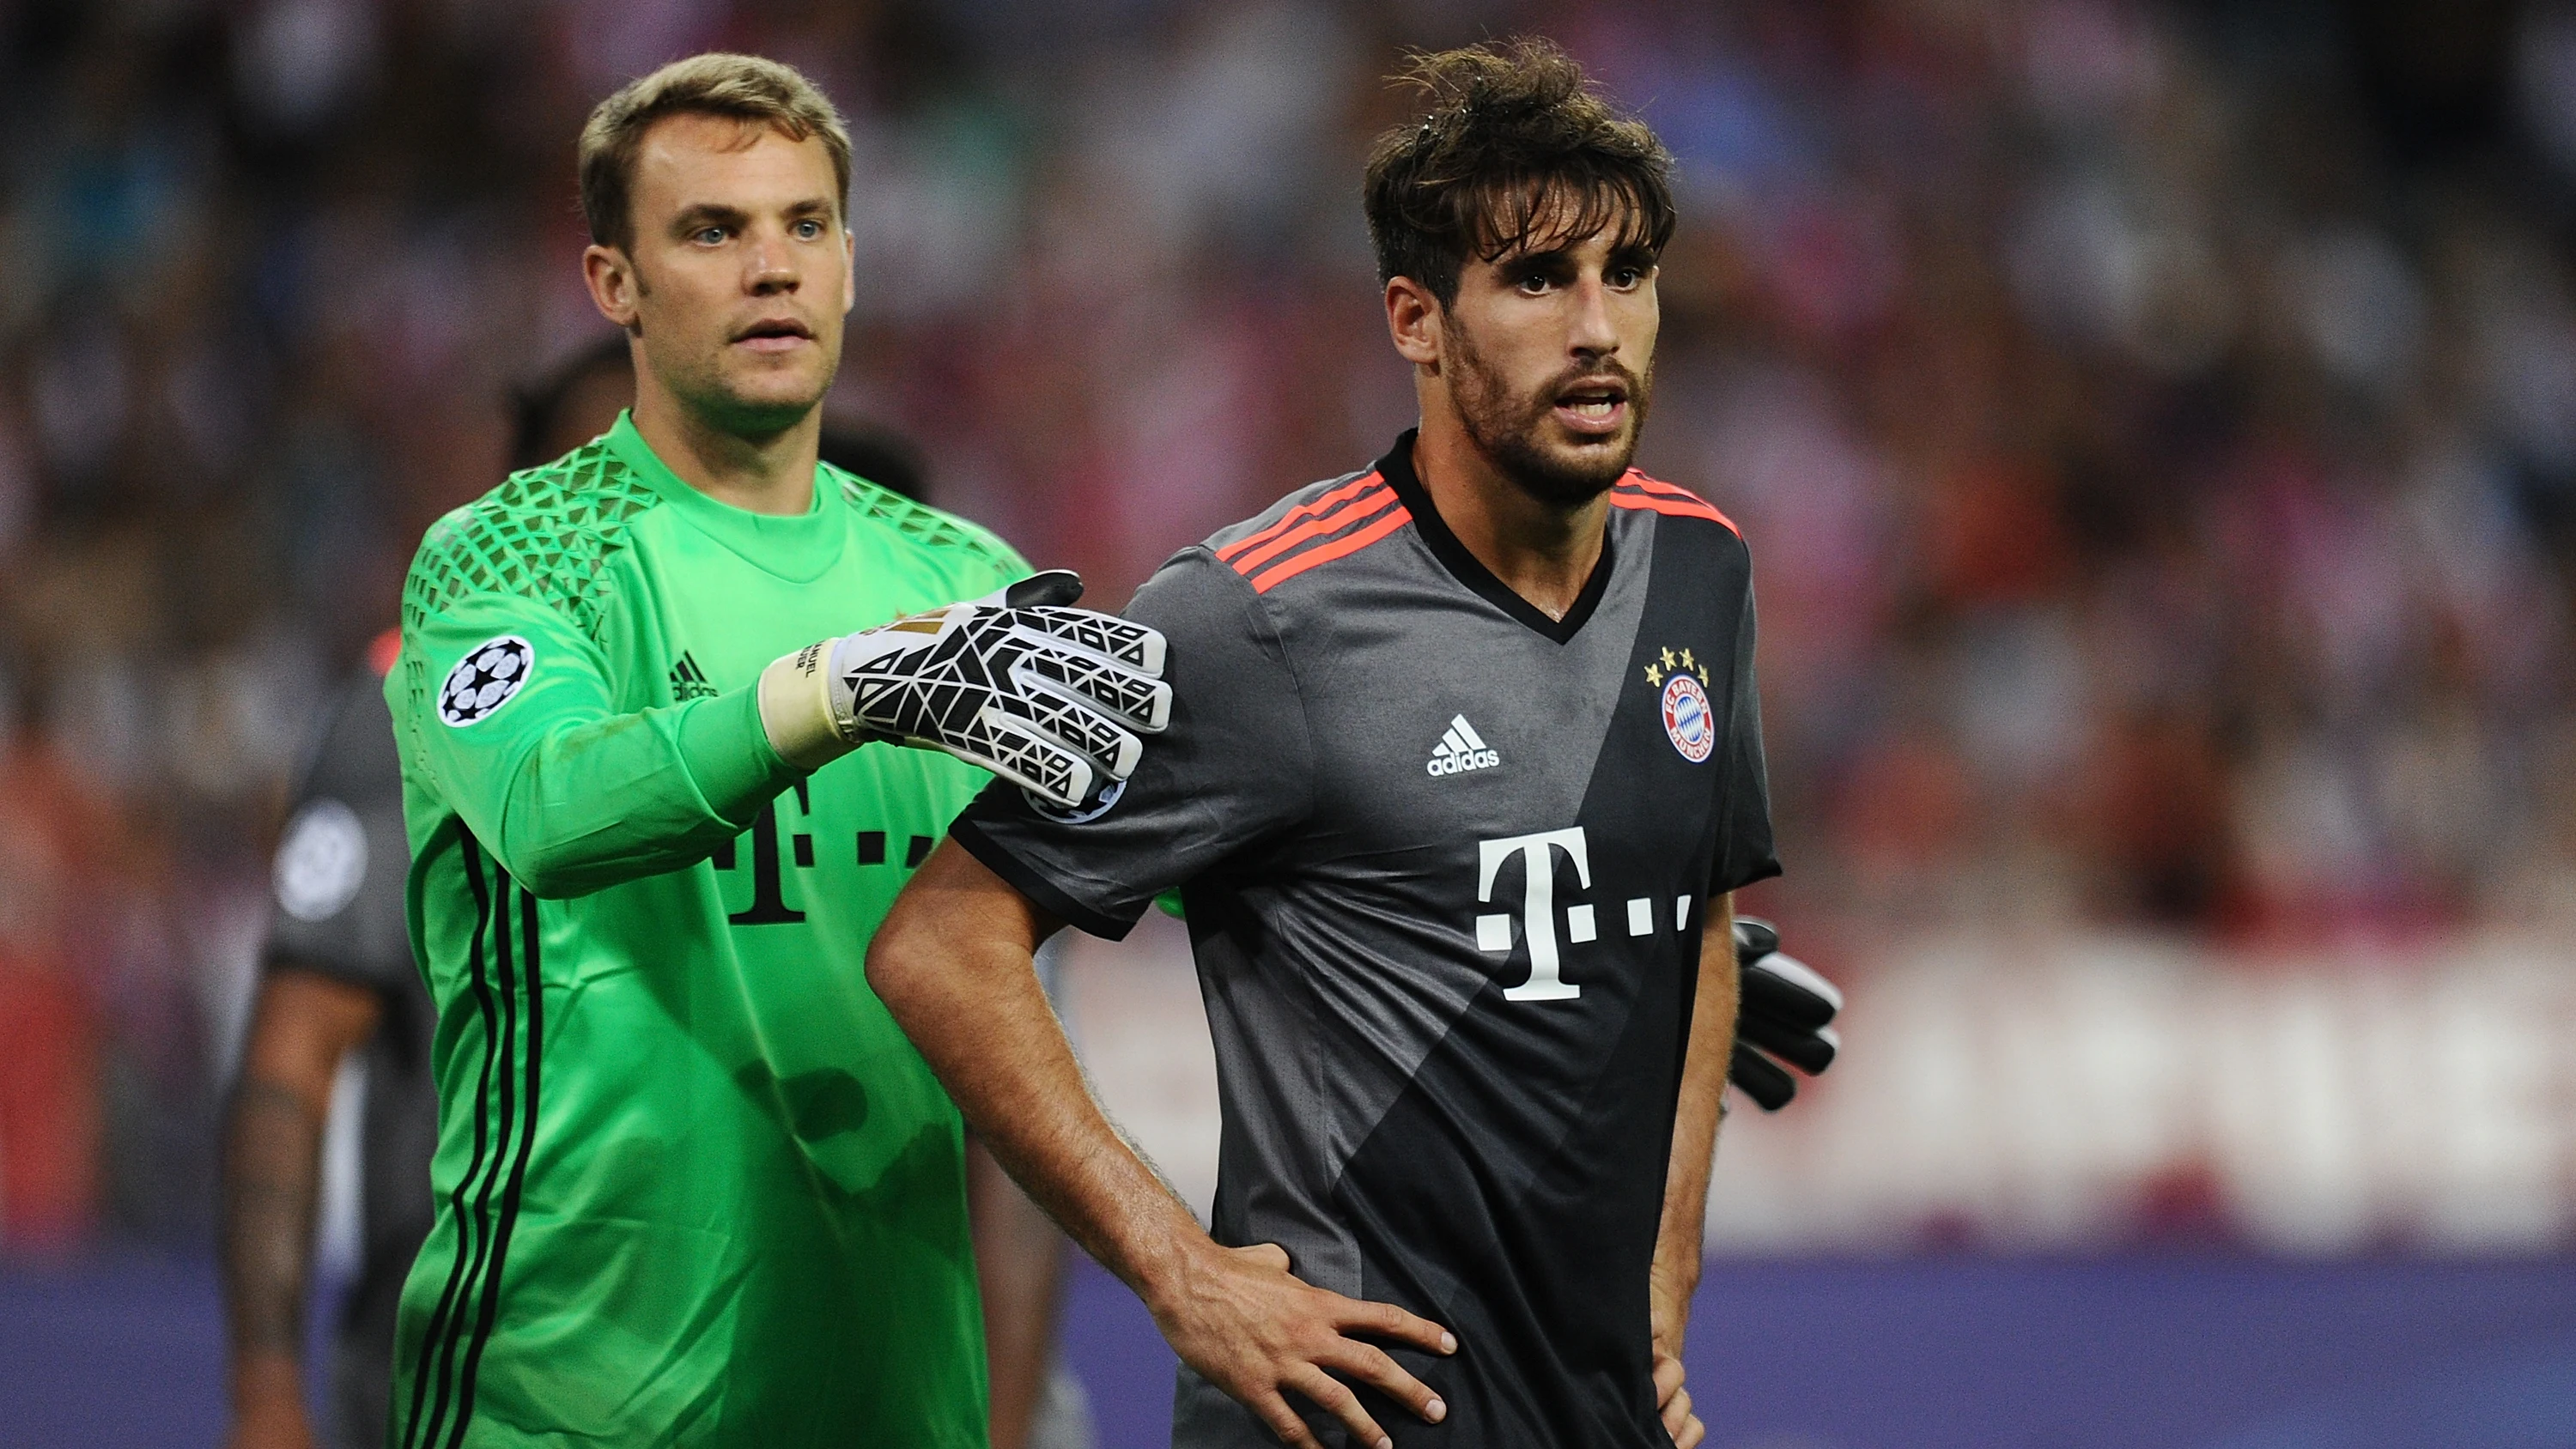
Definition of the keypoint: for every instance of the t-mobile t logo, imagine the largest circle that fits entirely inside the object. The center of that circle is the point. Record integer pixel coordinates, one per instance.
(1538, 907)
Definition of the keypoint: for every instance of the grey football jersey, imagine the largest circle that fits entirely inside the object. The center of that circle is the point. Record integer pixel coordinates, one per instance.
(1444, 861)
(339, 885)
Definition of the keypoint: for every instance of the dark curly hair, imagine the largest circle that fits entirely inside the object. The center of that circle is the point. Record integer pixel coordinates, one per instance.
(1518, 149)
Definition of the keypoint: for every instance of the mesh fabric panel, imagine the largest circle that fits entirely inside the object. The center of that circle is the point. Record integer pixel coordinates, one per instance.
(545, 534)
(921, 523)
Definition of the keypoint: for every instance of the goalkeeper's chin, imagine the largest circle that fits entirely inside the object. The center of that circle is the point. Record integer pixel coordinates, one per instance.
(763, 402)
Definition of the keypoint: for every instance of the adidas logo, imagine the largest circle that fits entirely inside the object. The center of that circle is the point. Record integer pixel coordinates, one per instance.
(688, 681)
(1460, 750)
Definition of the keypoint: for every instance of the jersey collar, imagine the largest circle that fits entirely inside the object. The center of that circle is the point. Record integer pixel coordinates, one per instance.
(1397, 469)
(798, 548)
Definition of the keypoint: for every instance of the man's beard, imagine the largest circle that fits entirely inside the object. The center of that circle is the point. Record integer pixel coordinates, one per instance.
(696, 380)
(1507, 430)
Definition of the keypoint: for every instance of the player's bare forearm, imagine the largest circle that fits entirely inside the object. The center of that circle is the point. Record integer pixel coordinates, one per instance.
(272, 1152)
(1675, 1275)
(1712, 1040)
(301, 1027)
(953, 964)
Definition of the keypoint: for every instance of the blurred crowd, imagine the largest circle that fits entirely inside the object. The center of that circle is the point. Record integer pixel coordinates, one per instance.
(2155, 425)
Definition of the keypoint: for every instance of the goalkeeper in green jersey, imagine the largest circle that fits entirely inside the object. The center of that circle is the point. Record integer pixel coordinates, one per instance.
(692, 1185)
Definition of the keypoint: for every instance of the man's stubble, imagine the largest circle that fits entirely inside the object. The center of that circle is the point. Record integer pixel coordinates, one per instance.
(697, 381)
(1506, 429)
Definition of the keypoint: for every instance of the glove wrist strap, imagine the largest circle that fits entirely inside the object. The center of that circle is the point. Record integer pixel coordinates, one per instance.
(796, 708)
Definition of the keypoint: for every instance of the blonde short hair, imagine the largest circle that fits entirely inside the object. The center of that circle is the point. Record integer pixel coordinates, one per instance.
(747, 88)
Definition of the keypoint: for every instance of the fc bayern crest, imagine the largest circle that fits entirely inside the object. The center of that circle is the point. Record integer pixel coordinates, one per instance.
(1688, 721)
(486, 679)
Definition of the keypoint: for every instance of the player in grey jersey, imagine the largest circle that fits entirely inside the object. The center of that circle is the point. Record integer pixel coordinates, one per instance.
(1465, 759)
(338, 980)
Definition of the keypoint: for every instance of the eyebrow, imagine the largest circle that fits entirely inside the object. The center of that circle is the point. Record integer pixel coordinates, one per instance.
(1637, 253)
(711, 213)
(706, 213)
(1633, 253)
(1542, 259)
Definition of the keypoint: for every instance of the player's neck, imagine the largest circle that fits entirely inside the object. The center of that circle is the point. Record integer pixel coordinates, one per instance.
(772, 475)
(1539, 551)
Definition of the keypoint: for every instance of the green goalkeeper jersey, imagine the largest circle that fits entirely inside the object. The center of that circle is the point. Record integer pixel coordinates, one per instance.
(693, 1185)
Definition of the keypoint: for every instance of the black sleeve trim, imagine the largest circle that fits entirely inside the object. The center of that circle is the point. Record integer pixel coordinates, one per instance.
(1042, 892)
(1762, 872)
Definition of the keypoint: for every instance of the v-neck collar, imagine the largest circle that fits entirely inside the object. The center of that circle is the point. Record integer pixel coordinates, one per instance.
(1463, 565)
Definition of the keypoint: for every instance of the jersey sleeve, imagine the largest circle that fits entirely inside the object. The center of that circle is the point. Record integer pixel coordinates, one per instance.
(510, 714)
(338, 873)
(1233, 769)
(1744, 848)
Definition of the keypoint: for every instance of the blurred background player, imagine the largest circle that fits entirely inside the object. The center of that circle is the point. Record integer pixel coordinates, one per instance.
(338, 977)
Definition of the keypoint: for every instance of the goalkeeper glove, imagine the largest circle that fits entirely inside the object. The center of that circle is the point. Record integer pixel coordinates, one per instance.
(1048, 697)
(1784, 1011)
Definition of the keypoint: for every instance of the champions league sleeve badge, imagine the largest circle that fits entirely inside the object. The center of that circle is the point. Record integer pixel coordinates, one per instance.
(323, 861)
(485, 679)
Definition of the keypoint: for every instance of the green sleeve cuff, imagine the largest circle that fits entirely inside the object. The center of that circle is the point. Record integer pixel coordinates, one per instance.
(728, 754)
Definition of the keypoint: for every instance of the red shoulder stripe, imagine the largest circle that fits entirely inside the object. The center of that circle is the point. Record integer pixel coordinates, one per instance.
(1673, 506)
(1349, 543)
(1339, 516)
(1636, 490)
(383, 650)
(1313, 508)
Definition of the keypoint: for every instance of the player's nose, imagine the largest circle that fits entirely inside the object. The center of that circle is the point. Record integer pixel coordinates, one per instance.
(770, 267)
(1590, 331)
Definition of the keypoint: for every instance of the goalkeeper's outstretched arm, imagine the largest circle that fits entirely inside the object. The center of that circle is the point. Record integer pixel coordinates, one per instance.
(510, 710)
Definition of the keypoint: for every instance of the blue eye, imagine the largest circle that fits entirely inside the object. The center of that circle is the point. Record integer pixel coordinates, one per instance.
(708, 235)
(809, 229)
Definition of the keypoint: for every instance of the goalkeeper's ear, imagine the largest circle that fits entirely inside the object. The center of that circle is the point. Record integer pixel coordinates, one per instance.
(1054, 588)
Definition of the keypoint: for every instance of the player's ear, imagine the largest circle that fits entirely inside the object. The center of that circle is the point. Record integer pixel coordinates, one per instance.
(849, 268)
(610, 275)
(1413, 321)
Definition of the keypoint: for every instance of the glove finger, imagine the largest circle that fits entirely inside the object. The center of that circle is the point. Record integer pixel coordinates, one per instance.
(1106, 635)
(1754, 1074)
(1755, 938)
(1025, 756)
(1074, 721)
(1804, 977)
(1786, 990)
(1810, 1051)
(1138, 700)
(1052, 587)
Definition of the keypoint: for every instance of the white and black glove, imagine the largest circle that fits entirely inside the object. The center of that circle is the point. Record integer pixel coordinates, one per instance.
(1048, 697)
(1785, 1012)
